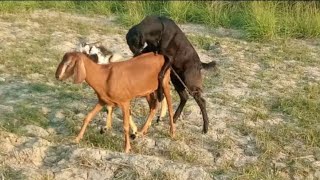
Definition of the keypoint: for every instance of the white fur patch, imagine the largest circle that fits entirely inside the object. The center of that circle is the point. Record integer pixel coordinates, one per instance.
(84, 49)
(102, 59)
(145, 45)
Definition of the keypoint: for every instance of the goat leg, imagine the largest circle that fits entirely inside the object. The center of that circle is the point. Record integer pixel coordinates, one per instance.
(87, 120)
(153, 104)
(164, 107)
(126, 118)
(166, 88)
(108, 126)
(133, 127)
(109, 123)
(109, 118)
(165, 67)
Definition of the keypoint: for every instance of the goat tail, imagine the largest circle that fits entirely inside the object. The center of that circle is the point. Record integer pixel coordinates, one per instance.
(208, 65)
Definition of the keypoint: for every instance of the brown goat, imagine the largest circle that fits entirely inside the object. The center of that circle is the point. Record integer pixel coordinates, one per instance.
(116, 84)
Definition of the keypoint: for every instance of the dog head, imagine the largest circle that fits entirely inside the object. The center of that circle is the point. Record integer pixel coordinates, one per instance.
(135, 40)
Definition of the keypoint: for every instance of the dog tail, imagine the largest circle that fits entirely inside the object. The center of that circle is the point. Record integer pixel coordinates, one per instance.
(208, 65)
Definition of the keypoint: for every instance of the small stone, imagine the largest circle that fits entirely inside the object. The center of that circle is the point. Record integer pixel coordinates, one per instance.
(59, 115)
(45, 110)
(2, 79)
(63, 161)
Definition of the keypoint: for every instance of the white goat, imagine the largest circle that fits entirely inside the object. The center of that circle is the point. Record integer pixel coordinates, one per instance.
(105, 58)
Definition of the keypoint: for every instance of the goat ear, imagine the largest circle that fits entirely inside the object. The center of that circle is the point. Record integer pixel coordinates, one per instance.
(79, 71)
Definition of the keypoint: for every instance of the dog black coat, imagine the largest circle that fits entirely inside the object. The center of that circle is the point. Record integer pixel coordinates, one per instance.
(163, 36)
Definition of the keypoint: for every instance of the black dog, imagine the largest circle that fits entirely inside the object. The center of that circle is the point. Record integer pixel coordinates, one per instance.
(163, 36)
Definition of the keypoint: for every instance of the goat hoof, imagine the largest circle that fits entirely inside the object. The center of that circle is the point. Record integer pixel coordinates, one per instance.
(133, 136)
(103, 130)
(77, 140)
(158, 119)
(127, 150)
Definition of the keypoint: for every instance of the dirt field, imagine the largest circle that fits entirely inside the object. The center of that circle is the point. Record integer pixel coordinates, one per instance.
(262, 100)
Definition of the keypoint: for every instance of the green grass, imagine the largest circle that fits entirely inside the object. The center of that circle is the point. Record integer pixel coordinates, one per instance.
(7, 172)
(301, 111)
(304, 107)
(92, 138)
(103, 8)
(260, 20)
(177, 154)
(24, 114)
(160, 175)
(201, 41)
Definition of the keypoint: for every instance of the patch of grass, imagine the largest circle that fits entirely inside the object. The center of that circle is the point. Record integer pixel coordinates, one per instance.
(304, 107)
(297, 52)
(160, 175)
(176, 154)
(81, 28)
(93, 138)
(259, 171)
(261, 20)
(24, 61)
(178, 10)
(126, 172)
(259, 108)
(300, 19)
(296, 139)
(6, 172)
(23, 115)
(201, 41)
(94, 7)
(123, 171)
(133, 12)
(68, 92)
(225, 14)
(40, 88)
(225, 169)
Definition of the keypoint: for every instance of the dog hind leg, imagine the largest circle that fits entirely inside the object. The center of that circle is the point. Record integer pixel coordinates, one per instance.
(202, 104)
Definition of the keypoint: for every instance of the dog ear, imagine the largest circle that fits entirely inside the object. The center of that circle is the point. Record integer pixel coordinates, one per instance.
(142, 40)
(79, 71)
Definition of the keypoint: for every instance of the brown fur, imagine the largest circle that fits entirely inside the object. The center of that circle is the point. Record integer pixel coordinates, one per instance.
(116, 84)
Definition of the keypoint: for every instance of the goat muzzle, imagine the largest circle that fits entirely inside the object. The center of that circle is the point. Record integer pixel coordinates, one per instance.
(60, 72)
